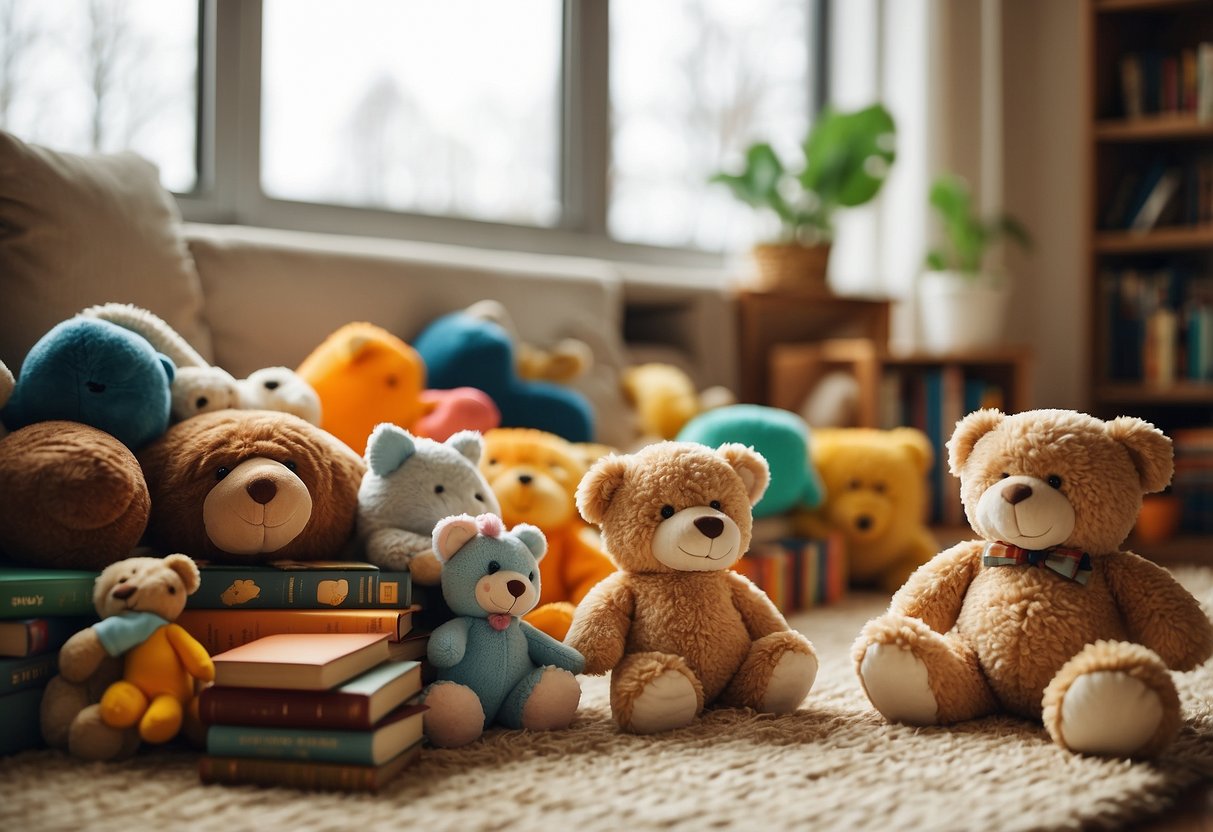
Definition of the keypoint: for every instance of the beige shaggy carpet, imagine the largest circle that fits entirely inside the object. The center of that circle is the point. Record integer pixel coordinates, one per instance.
(832, 765)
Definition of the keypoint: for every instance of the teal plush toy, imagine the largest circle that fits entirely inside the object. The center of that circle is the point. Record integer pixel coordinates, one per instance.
(462, 350)
(780, 436)
(492, 667)
(94, 372)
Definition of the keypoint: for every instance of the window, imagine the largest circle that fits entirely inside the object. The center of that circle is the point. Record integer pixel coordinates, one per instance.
(104, 75)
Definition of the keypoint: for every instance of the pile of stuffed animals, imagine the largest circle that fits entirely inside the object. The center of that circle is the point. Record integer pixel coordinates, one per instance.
(555, 558)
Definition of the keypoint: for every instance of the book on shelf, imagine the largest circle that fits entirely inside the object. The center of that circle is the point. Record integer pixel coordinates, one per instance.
(296, 774)
(387, 738)
(355, 705)
(797, 573)
(21, 721)
(1163, 189)
(300, 661)
(26, 593)
(31, 636)
(27, 672)
(1193, 480)
(1153, 81)
(1156, 325)
(318, 585)
(1204, 82)
(221, 630)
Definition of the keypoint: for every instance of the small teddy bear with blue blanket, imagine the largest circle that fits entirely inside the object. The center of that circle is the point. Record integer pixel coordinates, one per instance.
(492, 667)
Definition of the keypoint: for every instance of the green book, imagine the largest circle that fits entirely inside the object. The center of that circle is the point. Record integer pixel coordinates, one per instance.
(21, 721)
(307, 585)
(28, 593)
(28, 672)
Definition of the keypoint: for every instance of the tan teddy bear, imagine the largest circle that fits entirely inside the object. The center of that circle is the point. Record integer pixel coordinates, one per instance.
(676, 627)
(1044, 617)
(876, 496)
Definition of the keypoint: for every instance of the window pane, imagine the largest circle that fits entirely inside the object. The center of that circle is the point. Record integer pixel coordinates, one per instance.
(104, 75)
(694, 82)
(445, 108)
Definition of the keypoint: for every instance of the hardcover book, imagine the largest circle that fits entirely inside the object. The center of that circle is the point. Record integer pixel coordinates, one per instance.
(296, 774)
(300, 661)
(388, 738)
(39, 635)
(356, 705)
(315, 585)
(220, 630)
(25, 593)
(28, 672)
(19, 716)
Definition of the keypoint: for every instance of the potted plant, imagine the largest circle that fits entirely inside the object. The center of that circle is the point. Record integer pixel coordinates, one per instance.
(962, 304)
(846, 159)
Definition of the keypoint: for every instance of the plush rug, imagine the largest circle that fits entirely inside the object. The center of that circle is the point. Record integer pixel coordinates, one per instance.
(833, 765)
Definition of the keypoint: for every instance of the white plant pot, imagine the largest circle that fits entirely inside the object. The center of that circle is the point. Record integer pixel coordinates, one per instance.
(958, 312)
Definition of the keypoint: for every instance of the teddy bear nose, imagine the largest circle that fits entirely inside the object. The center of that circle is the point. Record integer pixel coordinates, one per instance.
(516, 588)
(863, 522)
(262, 490)
(1017, 493)
(525, 479)
(123, 592)
(712, 527)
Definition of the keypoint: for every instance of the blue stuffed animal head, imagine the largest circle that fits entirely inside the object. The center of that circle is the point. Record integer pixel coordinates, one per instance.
(487, 570)
(97, 373)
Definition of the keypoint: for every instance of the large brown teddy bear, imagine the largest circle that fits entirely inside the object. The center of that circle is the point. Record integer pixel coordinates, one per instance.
(251, 486)
(74, 497)
(1044, 617)
(675, 626)
(876, 497)
(534, 475)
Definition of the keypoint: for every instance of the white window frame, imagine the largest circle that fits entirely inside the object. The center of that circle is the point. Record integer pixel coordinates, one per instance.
(229, 147)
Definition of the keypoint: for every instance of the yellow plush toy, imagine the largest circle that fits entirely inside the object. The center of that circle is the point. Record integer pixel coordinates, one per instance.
(665, 398)
(876, 493)
(534, 475)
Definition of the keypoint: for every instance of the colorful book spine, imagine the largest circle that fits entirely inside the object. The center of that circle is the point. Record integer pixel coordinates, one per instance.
(303, 775)
(34, 636)
(313, 745)
(220, 630)
(316, 589)
(26, 673)
(21, 721)
(798, 573)
(26, 593)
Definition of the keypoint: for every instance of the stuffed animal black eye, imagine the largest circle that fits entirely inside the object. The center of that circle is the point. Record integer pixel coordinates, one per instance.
(201, 402)
(122, 580)
(290, 465)
(879, 487)
(714, 504)
(392, 381)
(854, 484)
(172, 590)
(1054, 481)
(1003, 475)
(271, 385)
(221, 472)
(438, 489)
(479, 497)
(667, 512)
(492, 462)
(494, 567)
(531, 577)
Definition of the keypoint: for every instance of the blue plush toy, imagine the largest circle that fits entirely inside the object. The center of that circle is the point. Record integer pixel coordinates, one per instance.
(91, 371)
(461, 350)
(492, 666)
(780, 436)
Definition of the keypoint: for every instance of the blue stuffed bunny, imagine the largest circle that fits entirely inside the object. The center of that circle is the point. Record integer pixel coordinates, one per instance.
(491, 666)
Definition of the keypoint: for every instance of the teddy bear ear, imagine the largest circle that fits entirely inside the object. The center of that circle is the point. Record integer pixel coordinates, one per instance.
(388, 447)
(532, 538)
(451, 534)
(187, 570)
(750, 465)
(917, 445)
(598, 487)
(968, 430)
(1149, 449)
(468, 443)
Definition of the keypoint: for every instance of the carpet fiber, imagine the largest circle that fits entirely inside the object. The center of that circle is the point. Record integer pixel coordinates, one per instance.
(832, 765)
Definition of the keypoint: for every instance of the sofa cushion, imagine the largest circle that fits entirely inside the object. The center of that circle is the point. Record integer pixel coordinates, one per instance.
(82, 230)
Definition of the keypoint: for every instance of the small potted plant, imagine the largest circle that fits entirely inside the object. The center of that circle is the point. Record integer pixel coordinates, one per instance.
(847, 157)
(962, 303)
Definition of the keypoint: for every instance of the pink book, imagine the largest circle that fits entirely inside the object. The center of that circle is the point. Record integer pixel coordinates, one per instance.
(301, 661)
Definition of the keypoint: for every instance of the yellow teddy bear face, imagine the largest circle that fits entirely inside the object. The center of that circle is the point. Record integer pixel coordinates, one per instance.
(534, 475)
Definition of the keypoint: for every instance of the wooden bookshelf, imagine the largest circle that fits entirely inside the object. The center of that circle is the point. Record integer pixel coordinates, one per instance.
(1171, 255)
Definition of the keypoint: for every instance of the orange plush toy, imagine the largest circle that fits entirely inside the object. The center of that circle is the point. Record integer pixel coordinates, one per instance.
(534, 475)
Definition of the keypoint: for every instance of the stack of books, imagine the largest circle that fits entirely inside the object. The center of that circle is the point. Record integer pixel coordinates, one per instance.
(314, 711)
(235, 605)
(797, 573)
(40, 609)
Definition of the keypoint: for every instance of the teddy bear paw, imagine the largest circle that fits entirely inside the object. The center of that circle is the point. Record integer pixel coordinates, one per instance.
(1109, 713)
(455, 716)
(552, 702)
(669, 701)
(897, 684)
(790, 682)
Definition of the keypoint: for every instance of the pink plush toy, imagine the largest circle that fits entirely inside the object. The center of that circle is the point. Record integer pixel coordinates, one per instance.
(446, 412)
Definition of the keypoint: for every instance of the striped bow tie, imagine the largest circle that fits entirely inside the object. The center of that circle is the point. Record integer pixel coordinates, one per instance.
(1074, 564)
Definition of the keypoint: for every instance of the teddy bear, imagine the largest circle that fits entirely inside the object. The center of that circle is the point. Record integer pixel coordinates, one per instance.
(138, 599)
(410, 484)
(491, 667)
(535, 475)
(7, 383)
(678, 629)
(665, 398)
(249, 486)
(876, 497)
(74, 497)
(97, 373)
(1044, 616)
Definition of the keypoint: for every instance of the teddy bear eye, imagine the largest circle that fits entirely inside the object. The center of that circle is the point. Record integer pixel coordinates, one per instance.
(494, 567)
(492, 462)
(392, 381)
(853, 484)
(879, 487)
(221, 472)
(1054, 481)
(1003, 475)
(290, 465)
(172, 590)
(667, 512)
(531, 577)
(479, 497)
(201, 402)
(438, 489)
(714, 504)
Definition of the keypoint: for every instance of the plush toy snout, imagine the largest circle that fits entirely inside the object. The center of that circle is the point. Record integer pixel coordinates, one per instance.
(1026, 511)
(507, 592)
(259, 506)
(697, 539)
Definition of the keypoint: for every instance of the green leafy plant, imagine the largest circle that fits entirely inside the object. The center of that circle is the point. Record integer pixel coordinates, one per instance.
(847, 157)
(967, 237)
